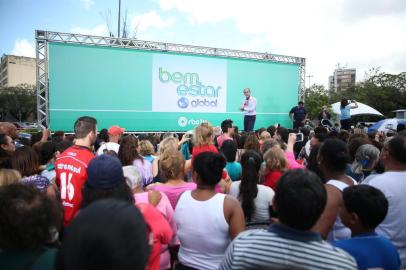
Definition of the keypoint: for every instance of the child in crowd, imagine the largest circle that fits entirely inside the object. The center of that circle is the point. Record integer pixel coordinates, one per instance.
(229, 149)
(275, 165)
(365, 207)
(203, 140)
(47, 157)
(265, 135)
(147, 150)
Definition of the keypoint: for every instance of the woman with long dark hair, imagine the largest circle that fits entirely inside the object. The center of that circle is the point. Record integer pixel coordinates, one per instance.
(25, 160)
(129, 154)
(255, 199)
(345, 108)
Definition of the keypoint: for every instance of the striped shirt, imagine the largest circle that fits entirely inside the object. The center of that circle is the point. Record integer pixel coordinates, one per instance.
(281, 247)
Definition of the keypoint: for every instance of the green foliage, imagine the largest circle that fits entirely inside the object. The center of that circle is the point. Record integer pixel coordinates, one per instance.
(18, 102)
(382, 91)
(315, 98)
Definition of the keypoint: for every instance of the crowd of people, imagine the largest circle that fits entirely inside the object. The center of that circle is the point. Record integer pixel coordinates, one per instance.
(203, 199)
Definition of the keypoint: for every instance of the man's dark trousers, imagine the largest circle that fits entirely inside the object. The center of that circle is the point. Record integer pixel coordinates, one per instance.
(249, 122)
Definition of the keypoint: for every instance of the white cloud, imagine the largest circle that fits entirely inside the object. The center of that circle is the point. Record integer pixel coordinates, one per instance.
(99, 30)
(360, 34)
(23, 47)
(146, 21)
(87, 3)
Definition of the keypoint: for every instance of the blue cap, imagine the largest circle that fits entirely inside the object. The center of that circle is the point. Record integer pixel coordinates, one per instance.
(104, 172)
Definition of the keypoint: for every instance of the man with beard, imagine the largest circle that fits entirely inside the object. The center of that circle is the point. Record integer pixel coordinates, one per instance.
(71, 166)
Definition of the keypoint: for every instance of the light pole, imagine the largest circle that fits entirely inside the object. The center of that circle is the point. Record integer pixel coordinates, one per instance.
(119, 15)
(309, 76)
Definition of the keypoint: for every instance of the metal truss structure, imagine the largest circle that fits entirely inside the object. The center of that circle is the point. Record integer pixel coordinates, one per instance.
(41, 50)
(43, 37)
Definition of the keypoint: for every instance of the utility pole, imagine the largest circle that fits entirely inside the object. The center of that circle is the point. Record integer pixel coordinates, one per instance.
(119, 17)
(309, 76)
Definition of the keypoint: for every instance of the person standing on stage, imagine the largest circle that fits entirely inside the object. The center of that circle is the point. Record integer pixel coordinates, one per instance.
(345, 108)
(299, 115)
(249, 108)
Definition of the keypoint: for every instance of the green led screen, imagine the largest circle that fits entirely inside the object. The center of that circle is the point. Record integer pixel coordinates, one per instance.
(156, 91)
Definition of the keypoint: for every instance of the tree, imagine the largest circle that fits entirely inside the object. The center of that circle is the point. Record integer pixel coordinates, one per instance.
(315, 98)
(382, 91)
(18, 102)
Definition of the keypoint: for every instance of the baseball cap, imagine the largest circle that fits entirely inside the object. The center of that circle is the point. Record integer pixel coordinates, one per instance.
(104, 172)
(116, 130)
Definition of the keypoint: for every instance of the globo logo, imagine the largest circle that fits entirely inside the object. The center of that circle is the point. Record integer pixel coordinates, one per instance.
(183, 103)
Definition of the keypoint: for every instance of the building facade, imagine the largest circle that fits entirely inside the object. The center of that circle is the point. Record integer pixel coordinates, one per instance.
(342, 79)
(16, 70)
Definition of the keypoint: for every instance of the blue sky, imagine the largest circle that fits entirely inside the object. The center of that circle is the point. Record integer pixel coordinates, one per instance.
(359, 34)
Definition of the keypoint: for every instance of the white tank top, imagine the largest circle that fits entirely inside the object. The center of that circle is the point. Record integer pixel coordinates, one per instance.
(202, 231)
(339, 231)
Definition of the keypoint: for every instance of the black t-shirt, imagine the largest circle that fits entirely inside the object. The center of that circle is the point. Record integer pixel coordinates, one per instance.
(327, 116)
(298, 113)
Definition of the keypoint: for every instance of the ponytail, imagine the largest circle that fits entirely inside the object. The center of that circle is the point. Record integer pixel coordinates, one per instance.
(251, 163)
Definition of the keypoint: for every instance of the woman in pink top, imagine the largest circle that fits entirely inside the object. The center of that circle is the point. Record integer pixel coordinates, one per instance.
(159, 200)
(172, 165)
(282, 134)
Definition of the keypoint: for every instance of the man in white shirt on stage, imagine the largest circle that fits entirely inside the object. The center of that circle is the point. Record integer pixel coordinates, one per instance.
(249, 107)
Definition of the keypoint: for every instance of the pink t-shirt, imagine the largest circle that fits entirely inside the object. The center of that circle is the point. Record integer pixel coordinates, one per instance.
(173, 192)
(161, 232)
(292, 163)
(222, 138)
(165, 208)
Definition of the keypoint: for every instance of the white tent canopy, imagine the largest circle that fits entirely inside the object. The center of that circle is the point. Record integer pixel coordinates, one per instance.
(362, 109)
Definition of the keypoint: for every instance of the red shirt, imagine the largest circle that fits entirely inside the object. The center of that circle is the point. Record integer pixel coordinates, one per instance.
(161, 231)
(272, 178)
(208, 148)
(70, 168)
(203, 148)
